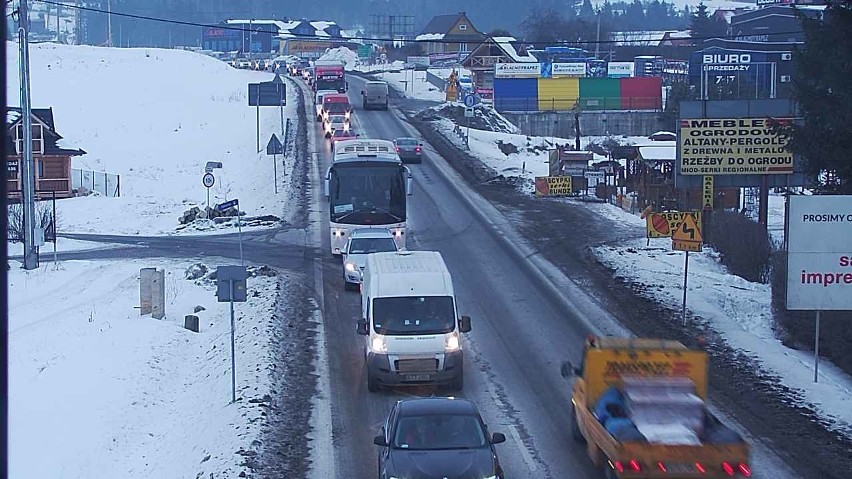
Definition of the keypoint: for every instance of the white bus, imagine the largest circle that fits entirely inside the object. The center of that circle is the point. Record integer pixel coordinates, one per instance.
(367, 186)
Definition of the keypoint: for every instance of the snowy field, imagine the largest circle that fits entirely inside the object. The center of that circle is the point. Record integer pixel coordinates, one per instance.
(156, 117)
(109, 393)
(739, 310)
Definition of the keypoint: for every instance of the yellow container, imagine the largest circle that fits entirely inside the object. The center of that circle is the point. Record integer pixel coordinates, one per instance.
(558, 94)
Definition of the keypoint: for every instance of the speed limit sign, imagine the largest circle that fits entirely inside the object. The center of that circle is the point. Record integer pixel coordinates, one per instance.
(208, 180)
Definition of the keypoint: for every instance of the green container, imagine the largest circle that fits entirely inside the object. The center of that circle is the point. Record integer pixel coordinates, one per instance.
(600, 94)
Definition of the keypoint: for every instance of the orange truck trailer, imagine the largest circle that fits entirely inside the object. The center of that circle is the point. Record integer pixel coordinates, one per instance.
(639, 405)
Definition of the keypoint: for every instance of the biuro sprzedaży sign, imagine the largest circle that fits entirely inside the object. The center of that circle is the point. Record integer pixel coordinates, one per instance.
(733, 146)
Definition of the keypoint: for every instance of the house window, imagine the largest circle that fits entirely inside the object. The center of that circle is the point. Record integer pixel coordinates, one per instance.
(463, 47)
(40, 164)
(462, 27)
(38, 138)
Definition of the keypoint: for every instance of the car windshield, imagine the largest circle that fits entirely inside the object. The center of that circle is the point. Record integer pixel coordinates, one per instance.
(413, 315)
(406, 142)
(371, 245)
(439, 431)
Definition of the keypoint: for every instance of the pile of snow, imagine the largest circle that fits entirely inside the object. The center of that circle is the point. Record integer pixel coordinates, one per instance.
(487, 118)
(111, 393)
(740, 311)
(156, 117)
(342, 54)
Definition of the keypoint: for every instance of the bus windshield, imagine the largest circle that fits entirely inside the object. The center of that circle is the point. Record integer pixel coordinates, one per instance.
(367, 194)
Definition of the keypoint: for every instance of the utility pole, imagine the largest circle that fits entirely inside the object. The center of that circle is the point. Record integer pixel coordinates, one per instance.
(27, 180)
(109, 23)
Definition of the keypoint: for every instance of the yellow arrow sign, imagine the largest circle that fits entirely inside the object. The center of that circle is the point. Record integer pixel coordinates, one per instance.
(687, 230)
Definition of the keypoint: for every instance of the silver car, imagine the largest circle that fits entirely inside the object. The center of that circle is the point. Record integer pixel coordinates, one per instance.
(409, 149)
(362, 242)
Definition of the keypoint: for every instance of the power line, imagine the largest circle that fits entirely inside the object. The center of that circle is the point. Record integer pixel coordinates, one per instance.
(373, 39)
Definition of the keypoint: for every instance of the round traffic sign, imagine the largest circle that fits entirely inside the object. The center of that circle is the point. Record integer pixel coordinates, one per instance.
(208, 180)
(469, 101)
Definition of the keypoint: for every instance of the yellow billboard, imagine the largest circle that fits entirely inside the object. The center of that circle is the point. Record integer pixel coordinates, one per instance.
(662, 225)
(553, 186)
(734, 146)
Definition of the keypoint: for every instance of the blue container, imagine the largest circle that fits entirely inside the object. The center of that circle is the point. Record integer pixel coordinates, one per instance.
(516, 94)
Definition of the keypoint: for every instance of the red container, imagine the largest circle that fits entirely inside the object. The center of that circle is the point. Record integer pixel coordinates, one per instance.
(642, 93)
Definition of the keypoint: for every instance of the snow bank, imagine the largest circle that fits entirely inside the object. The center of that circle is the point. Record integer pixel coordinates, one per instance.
(111, 394)
(343, 54)
(409, 83)
(156, 117)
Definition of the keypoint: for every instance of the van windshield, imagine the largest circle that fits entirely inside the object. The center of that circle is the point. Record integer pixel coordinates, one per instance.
(413, 315)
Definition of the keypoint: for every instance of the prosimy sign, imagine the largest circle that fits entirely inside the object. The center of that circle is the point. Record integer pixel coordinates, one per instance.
(733, 146)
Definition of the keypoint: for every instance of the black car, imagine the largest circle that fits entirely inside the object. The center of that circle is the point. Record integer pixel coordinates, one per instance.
(437, 438)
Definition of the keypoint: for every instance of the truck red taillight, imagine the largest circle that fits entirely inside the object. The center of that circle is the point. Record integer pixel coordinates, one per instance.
(618, 466)
(728, 468)
(744, 469)
(662, 467)
(700, 468)
(634, 465)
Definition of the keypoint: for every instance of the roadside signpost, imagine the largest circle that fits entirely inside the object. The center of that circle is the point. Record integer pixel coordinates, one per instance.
(470, 100)
(270, 93)
(235, 203)
(686, 237)
(231, 287)
(274, 148)
(819, 260)
(208, 180)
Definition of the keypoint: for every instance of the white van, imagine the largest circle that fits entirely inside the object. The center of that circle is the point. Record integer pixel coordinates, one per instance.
(375, 95)
(410, 322)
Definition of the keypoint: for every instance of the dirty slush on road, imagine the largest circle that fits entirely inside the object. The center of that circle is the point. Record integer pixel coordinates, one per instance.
(565, 233)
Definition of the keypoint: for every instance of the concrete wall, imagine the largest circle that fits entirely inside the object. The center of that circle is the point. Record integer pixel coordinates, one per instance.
(592, 123)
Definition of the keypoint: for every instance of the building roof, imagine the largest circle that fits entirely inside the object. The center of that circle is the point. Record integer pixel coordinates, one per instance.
(646, 38)
(507, 44)
(429, 36)
(54, 143)
(442, 23)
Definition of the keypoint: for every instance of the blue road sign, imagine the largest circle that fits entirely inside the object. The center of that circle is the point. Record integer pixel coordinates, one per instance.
(470, 100)
(228, 204)
(274, 147)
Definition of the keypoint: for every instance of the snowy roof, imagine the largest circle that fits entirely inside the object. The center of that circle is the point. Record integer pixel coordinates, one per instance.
(658, 151)
(321, 26)
(646, 37)
(506, 43)
(429, 36)
(12, 116)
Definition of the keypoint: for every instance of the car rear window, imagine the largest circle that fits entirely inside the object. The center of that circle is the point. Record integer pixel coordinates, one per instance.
(406, 142)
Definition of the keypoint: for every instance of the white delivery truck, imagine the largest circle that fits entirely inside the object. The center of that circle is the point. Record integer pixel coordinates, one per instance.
(410, 322)
(375, 95)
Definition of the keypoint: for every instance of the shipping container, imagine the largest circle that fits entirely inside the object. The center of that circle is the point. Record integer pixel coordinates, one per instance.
(516, 94)
(600, 94)
(558, 94)
(641, 93)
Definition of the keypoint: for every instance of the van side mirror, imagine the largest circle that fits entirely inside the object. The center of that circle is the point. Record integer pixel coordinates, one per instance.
(326, 186)
(409, 182)
(361, 327)
(497, 438)
(464, 324)
(380, 441)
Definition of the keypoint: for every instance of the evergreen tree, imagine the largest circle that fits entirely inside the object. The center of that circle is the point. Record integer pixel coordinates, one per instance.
(635, 15)
(821, 86)
(586, 10)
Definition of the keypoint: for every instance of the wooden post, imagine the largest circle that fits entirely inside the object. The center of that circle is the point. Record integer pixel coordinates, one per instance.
(146, 276)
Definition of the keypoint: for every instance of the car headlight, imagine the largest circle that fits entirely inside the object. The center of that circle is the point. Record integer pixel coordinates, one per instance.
(378, 344)
(452, 343)
(350, 267)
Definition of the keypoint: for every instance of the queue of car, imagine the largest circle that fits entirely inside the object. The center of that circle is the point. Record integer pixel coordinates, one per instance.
(412, 336)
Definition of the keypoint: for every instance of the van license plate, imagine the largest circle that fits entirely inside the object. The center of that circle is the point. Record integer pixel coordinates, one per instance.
(417, 377)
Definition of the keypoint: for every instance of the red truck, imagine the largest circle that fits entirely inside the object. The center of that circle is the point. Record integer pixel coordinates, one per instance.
(329, 75)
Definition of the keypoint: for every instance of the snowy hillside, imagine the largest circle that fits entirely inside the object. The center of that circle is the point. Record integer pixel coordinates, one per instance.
(155, 117)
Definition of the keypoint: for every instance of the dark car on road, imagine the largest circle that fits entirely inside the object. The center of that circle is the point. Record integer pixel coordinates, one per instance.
(437, 438)
(409, 149)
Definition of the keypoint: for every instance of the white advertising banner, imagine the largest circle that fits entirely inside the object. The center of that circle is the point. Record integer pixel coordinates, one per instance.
(568, 69)
(620, 69)
(517, 70)
(819, 249)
